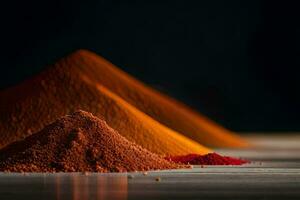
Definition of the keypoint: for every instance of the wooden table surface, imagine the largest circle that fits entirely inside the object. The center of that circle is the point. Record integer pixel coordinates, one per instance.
(273, 174)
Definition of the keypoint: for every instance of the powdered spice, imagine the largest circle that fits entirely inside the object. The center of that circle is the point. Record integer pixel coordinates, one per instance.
(65, 88)
(209, 159)
(78, 143)
(164, 109)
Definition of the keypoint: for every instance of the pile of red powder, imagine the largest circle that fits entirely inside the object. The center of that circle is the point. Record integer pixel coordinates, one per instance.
(208, 159)
(78, 143)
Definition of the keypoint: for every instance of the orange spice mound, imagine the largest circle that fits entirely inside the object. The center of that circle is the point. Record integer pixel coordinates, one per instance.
(162, 108)
(79, 142)
(64, 88)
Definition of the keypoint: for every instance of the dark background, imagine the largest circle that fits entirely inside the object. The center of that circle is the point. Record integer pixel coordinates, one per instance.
(236, 61)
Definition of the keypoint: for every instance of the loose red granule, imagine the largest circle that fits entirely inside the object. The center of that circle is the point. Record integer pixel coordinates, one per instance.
(208, 159)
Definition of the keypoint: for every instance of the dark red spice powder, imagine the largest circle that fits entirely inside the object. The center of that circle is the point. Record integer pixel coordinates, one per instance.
(208, 159)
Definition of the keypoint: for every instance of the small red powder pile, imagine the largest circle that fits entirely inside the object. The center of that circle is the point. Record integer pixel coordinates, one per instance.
(208, 159)
(78, 143)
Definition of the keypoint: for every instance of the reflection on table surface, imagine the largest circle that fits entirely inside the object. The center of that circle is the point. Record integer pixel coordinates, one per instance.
(75, 186)
(85, 187)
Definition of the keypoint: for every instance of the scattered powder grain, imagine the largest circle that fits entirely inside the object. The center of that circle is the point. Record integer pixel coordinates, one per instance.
(158, 179)
(79, 143)
(64, 88)
(164, 109)
(208, 159)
